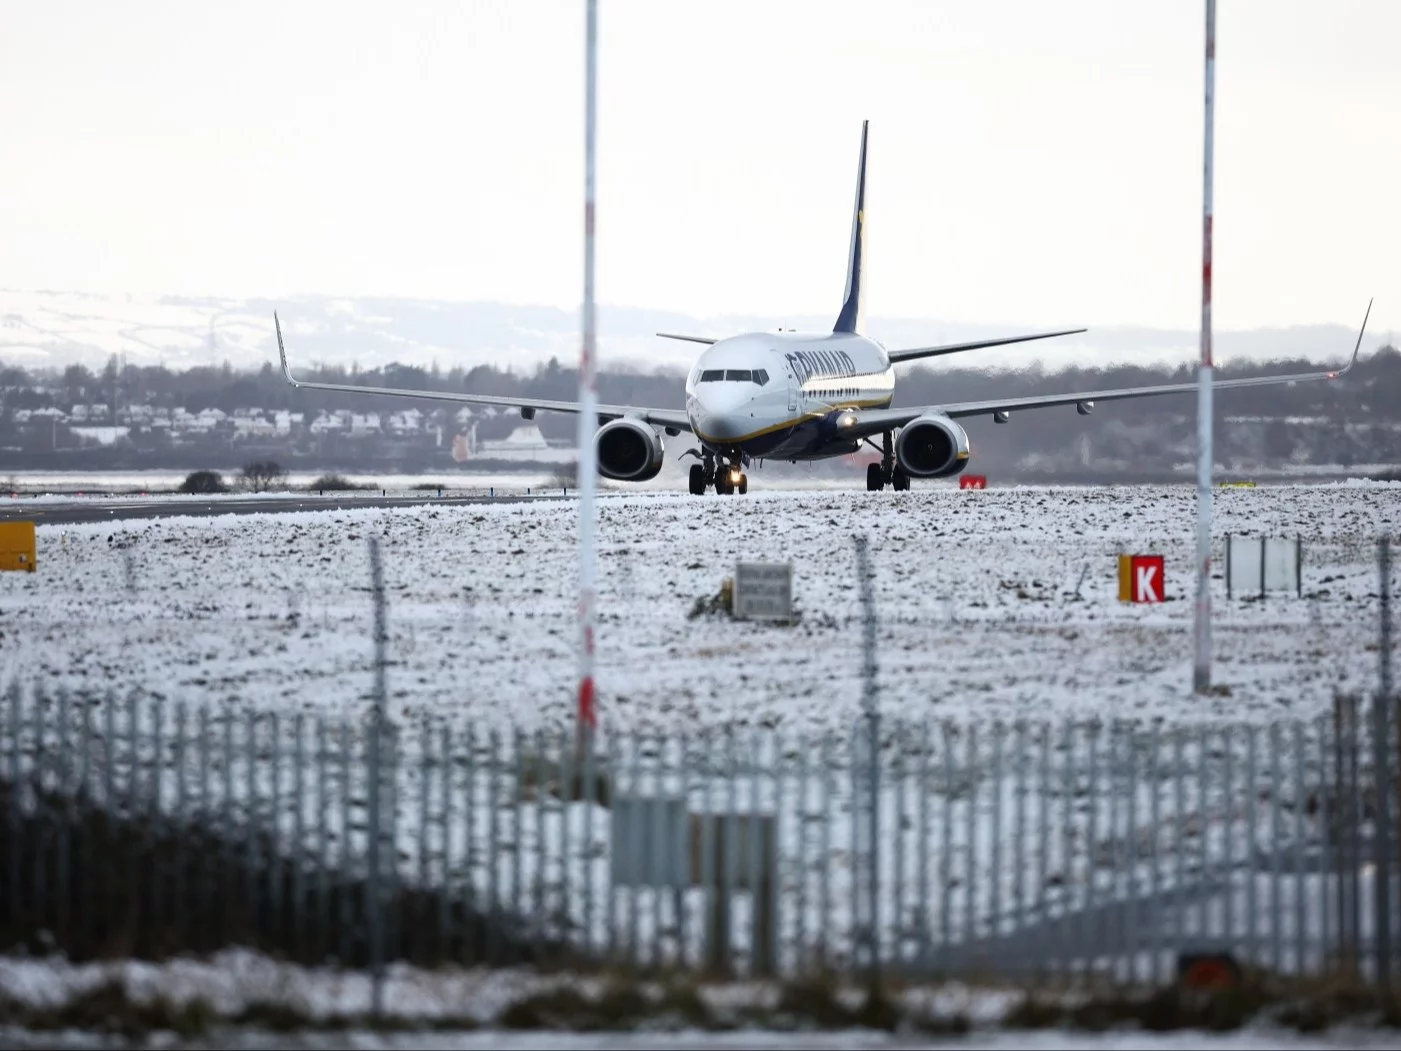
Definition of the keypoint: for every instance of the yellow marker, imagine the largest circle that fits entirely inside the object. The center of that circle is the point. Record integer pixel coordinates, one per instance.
(17, 547)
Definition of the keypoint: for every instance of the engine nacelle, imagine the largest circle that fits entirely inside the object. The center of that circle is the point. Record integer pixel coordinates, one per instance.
(628, 451)
(932, 446)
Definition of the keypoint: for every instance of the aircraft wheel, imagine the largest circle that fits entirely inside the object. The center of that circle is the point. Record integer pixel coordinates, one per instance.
(900, 481)
(697, 479)
(722, 483)
(743, 484)
(874, 481)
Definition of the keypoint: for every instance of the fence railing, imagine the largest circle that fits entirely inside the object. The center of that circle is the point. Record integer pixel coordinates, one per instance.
(1021, 852)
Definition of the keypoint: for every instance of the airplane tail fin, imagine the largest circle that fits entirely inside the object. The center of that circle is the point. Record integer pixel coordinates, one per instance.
(849, 320)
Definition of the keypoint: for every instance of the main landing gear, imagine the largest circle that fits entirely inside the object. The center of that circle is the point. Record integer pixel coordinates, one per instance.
(887, 471)
(726, 479)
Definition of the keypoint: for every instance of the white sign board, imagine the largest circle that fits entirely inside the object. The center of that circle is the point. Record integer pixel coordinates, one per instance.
(763, 591)
(1255, 565)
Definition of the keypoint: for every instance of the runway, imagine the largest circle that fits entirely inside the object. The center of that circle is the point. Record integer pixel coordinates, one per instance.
(79, 511)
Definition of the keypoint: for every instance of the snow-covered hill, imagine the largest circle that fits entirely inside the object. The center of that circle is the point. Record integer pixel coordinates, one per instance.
(58, 328)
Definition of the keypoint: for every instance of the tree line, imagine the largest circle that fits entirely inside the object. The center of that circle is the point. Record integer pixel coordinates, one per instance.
(1360, 413)
(1373, 384)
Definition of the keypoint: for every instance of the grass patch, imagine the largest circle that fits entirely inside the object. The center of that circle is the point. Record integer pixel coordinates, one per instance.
(619, 1004)
(1303, 1005)
(109, 1009)
(337, 483)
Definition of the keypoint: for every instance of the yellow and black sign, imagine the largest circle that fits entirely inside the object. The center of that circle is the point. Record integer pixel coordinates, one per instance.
(17, 546)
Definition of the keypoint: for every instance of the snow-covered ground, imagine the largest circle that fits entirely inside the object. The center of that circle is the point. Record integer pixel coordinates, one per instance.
(997, 605)
(95, 485)
(1251, 1038)
(25, 486)
(233, 980)
(993, 604)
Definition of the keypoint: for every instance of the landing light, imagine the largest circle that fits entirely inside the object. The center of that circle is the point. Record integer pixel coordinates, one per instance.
(734, 475)
(846, 421)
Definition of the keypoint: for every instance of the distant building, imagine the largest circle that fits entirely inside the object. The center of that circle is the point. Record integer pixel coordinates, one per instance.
(525, 444)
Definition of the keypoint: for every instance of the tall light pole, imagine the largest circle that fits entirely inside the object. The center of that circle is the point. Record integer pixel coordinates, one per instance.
(1201, 672)
(587, 718)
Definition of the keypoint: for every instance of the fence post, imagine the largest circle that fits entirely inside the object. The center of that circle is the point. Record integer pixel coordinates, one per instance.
(872, 715)
(376, 920)
(1384, 566)
(1348, 803)
(15, 851)
(1383, 778)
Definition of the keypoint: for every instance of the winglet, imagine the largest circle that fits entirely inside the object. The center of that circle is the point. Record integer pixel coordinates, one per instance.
(849, 320)
(1356, 347)
(282, 351)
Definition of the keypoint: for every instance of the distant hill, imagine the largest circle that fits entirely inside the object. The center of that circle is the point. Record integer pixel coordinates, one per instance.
(53, 329)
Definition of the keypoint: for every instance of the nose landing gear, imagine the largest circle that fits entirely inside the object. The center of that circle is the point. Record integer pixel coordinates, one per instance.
(728, 483)
(726, 479)
(732, 479)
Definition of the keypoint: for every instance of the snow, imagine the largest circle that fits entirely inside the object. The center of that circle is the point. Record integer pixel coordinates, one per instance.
(56, 328)
(63, 486)
(979, 623)
(991, 604)
(1250, 1039)
(234, 979)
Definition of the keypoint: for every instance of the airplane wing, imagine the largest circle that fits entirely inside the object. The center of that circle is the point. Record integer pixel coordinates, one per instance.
(897, 356)
(673, 420)
(688, 339)
(857, 423)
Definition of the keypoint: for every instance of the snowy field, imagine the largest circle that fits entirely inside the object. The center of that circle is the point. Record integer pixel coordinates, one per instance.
(23, 486)
(235, 979)
(1249, 1039)
(993, 604)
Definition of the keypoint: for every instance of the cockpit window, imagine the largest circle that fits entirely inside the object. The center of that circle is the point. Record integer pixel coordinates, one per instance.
(758, 376)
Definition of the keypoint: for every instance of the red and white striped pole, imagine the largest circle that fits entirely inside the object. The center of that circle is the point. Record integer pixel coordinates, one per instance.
(588, 400)
(1201, 673)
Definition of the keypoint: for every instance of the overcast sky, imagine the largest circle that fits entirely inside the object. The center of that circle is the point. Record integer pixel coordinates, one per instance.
(1032, 162)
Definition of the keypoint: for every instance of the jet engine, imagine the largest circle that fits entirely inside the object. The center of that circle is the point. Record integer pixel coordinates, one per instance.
(932, 446)
(628, 451)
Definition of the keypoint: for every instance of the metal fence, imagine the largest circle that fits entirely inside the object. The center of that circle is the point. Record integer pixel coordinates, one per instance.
(1031, 851)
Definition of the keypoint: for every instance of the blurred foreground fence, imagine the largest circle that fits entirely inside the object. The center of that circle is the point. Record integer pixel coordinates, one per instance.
(1025, 852)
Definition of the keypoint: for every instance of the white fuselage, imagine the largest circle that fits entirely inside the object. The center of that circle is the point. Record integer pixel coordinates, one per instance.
(787, 410)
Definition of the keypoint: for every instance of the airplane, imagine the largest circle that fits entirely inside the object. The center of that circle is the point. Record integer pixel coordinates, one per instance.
(805, 396)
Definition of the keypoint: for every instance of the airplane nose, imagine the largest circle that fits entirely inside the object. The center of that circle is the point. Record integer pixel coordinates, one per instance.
(724, 409)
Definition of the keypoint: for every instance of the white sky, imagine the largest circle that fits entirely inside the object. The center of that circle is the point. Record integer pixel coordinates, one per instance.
(1032, 162)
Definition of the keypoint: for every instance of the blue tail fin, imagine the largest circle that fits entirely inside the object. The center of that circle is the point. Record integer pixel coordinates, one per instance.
(849, 320)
